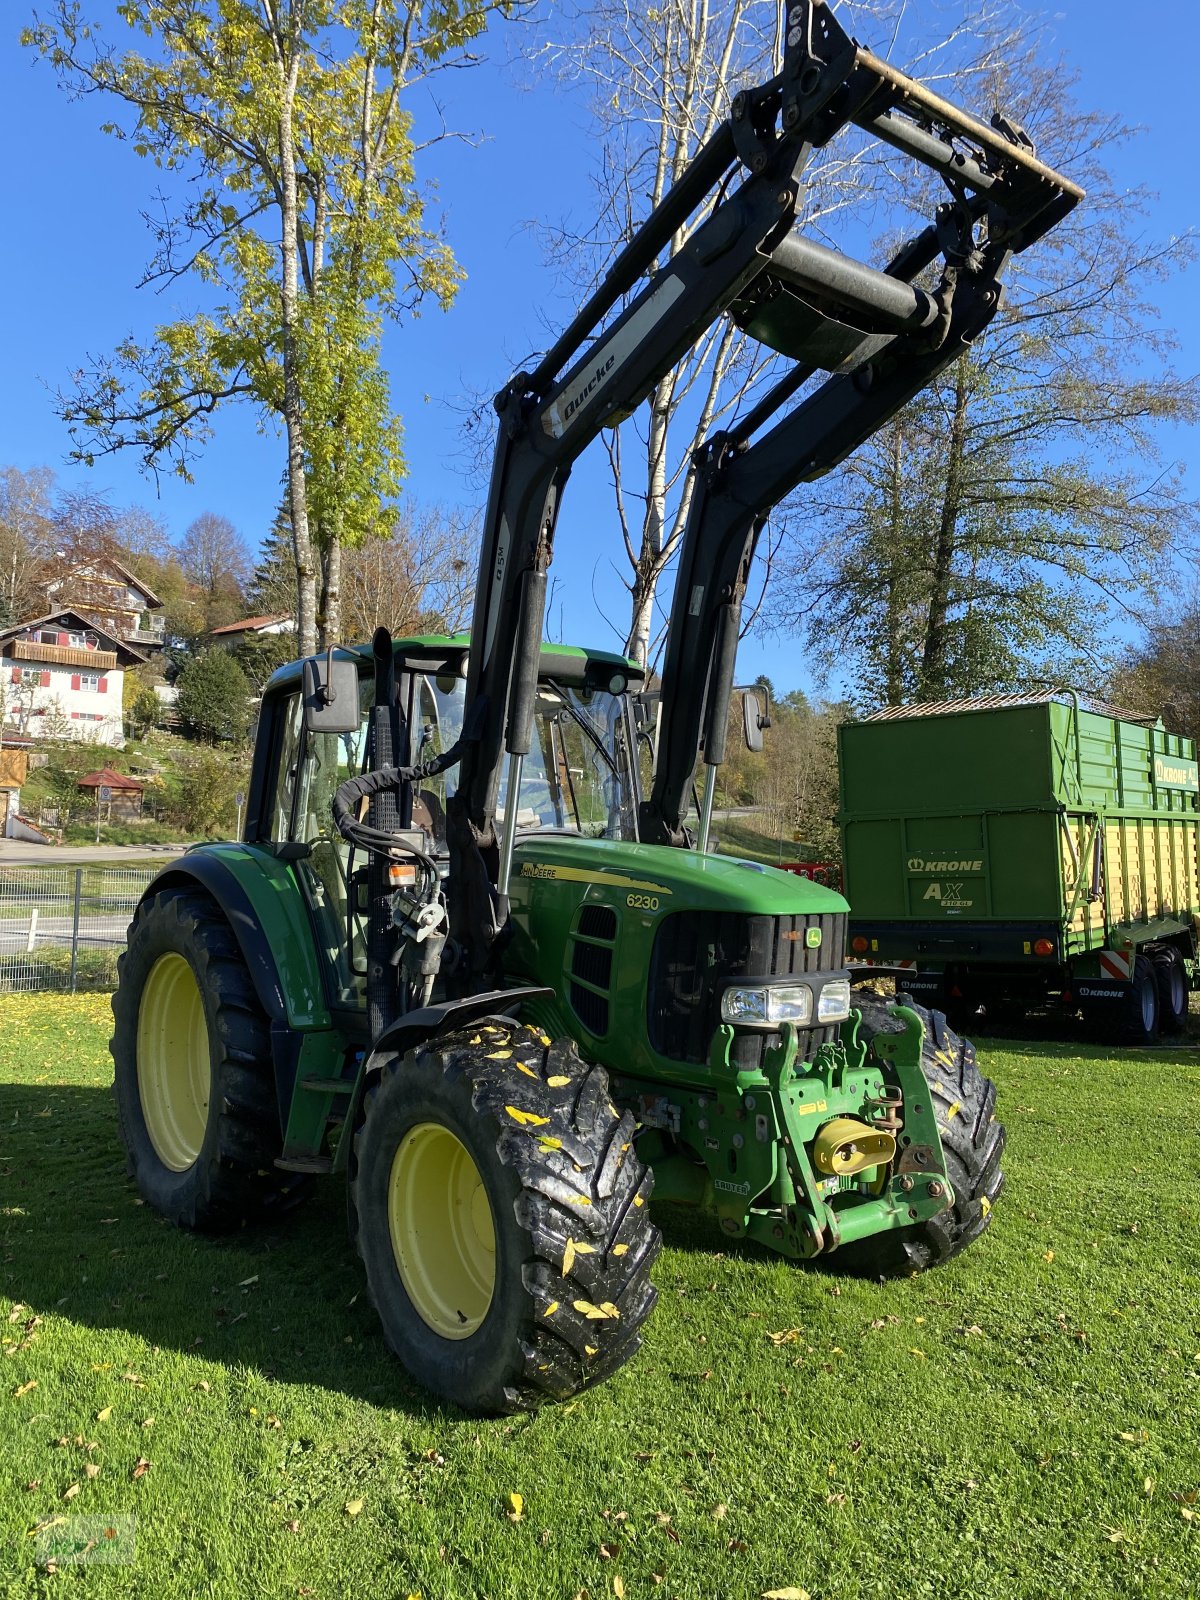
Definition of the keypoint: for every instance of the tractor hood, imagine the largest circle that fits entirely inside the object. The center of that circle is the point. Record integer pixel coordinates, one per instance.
(677, 879)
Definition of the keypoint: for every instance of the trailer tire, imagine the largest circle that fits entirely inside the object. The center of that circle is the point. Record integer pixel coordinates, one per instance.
(1170, 977)
(1138, 1018)
(500, 1212)
(972, 1143)
(192, 1072)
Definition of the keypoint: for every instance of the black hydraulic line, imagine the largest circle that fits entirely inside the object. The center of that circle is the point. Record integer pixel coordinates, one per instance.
(383, 816)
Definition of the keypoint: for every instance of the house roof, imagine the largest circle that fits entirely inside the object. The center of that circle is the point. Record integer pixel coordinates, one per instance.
(110, 561)
(251, 624)
(68, 617)
(106, 778)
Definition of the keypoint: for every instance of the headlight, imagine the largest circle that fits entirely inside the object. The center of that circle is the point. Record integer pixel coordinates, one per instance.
(767, 1007)
(834, 1004)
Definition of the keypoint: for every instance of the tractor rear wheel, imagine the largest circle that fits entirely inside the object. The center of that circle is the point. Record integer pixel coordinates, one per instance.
(500, 1212)
(972, 1143)
(193, 1078)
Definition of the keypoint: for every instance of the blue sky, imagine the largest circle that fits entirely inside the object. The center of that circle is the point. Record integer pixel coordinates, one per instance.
(76, 247)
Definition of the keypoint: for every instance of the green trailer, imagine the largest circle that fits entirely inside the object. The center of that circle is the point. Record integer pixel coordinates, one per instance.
(1012, 850)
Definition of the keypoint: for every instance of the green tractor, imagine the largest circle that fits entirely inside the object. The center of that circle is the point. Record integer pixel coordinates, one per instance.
(466, 956)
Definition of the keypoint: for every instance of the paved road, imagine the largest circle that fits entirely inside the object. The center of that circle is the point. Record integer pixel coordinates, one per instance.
(15, 853)
(110, 928)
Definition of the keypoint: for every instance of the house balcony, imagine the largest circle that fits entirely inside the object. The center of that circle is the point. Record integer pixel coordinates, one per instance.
(65, 655)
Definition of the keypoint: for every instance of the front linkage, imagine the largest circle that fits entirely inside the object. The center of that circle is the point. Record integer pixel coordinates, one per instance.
(883, 1148)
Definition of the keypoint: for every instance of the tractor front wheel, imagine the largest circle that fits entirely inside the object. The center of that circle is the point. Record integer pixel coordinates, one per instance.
(500, 1212)
(193, 1078)
(972, 1144)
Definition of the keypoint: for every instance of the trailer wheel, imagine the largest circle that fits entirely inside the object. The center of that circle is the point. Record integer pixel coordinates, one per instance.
(972, 1141)
(1138, 1018)
(193, 1078)
(500, 1211)
(1170, 978)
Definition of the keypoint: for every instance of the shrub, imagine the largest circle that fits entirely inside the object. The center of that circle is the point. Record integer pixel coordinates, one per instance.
(214, 697)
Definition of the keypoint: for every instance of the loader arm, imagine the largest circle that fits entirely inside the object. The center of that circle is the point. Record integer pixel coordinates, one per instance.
(882, 333)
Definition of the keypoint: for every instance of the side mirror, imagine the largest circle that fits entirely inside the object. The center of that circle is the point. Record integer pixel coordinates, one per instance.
(331, 694)
(756, 715)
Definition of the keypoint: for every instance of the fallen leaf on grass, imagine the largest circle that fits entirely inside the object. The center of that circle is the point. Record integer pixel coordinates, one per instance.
(1116, 1535)
(293, 1526)
(785, 1336)
(140, 1467)
(1187, 1513)
(718, 1512)
(915, 1352)
(1148, 1486)
(1048, 1255)
(609, 1552)
(786, 1594)
(203, 1386)
(352, 1507)
(17, 1312)
(1138, 1437)
(91, 1470)
(246, 1282)
(516, 1507)
(24, 1388)
(69, 1494)
(103, 1416)
(619, 1586)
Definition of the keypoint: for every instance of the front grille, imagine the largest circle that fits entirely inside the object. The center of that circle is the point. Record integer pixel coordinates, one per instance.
(696, 954)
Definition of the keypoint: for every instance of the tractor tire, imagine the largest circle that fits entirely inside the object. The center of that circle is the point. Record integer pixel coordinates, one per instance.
(1170, 976)
(972, 1142)
(500, 1212)
(1137, 1019)
(193, 1078)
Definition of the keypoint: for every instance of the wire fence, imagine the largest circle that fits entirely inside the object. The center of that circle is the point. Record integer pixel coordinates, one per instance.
(62, 928)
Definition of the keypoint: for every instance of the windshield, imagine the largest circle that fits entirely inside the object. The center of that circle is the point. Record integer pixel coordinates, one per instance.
(577, 773)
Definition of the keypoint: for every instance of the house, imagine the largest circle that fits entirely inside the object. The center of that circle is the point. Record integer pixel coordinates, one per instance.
(249, 628)
(63, 676)
(118, 797)
(104, 591)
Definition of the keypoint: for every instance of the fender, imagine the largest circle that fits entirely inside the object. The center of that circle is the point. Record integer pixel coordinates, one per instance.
(259, 897)
(430, 1022)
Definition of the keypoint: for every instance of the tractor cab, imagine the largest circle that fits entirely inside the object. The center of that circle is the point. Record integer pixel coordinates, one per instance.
(580, 777)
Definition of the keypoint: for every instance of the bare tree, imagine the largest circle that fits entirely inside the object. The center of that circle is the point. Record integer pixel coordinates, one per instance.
(419, 580)
(27, 538)
(987, 537)
(662, 78)
(214, 558)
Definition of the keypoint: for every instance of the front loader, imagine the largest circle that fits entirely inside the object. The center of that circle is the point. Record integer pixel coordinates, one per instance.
(463, 958)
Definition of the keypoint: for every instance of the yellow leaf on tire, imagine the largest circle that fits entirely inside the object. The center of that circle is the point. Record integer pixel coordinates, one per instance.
(499, 1055)
(604, 1312)
(558, 1081)
(527, 1119)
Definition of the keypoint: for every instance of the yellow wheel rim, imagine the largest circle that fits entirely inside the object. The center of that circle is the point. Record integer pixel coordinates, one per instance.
(443, 1233)
(173, 1069)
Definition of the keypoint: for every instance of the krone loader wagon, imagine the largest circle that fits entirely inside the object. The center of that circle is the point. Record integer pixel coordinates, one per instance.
(1014, 850)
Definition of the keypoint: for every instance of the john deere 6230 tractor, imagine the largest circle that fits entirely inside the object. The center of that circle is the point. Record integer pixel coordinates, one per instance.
(461, 957)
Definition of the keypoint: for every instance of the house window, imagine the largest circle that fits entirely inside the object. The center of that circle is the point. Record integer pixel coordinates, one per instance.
(90, 680)
(33, 675)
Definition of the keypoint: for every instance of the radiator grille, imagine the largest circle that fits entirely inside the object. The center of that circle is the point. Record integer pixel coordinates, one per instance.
(697, 953)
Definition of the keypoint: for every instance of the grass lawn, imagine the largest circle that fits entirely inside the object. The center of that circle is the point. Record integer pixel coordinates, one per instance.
(1025, 1423)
